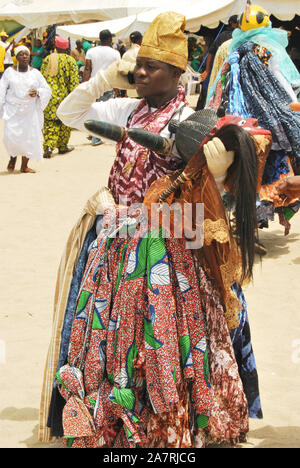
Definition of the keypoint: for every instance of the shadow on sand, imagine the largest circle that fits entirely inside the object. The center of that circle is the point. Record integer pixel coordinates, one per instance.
(277, 244)
(276, 437)
(29, 414)
(265, 437)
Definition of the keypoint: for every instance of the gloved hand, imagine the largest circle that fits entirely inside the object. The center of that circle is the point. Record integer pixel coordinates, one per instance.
(116, 74)
(218, 159)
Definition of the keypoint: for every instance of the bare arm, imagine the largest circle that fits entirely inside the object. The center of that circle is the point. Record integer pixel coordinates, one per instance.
(11, 44)
(290, 187)
(208, 65)
(87, 70)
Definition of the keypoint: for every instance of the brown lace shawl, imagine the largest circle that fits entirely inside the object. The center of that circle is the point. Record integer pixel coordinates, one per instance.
(220, 255)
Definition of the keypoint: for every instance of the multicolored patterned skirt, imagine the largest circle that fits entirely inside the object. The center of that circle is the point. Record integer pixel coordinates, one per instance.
(151, 361)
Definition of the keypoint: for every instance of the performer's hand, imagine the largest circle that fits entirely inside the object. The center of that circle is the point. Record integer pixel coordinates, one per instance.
(217, 157)
(290, 187)
(116, 74)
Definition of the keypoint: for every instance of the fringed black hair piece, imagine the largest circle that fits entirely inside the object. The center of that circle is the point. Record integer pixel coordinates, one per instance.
(243, 177)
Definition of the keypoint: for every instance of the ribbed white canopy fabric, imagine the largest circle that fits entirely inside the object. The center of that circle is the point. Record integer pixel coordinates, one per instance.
(130, 15)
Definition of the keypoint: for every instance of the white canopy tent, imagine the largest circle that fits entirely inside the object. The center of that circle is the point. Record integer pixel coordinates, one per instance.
(284, 10)
(197, 14)
(121, 27)
(129, 14)
(40, 13)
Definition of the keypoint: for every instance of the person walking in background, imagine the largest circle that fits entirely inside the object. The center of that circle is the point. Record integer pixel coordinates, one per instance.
(233, 23)
(99, 58)
(2, 57)
(196, 53)
(86, 45)
(26, 42)
(37, 54)
(78, 53)
(8, 62)
(121, 47)
(135, 44)
(61, 73)
(24, 94)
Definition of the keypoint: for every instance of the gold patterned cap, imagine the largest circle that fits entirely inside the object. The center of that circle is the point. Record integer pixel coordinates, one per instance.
(164, 40)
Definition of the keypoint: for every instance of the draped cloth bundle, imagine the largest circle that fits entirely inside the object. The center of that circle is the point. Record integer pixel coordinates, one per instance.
(195, 185)
(219, 253)
(94, 206)
(268, 101)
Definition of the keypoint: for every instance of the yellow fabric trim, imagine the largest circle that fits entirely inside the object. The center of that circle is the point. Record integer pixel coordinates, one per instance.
(166, 56)
(52, 66)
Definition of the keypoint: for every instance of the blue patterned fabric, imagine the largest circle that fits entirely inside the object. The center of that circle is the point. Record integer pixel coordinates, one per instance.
(57, 402)
(236, 104)
(268, 101)
(276, 41)
(72, 298)
(276, 165)
(241, 340)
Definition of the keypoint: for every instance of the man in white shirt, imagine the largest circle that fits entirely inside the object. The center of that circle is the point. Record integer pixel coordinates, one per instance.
(7, 46)
(99, 58)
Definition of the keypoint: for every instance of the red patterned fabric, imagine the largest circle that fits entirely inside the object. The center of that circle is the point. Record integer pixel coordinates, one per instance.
(150, 362)
(136, 167)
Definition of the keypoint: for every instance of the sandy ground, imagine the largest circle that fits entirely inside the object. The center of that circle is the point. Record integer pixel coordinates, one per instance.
(37, 213)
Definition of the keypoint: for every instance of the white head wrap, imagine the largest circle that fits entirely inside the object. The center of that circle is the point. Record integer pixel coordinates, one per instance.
(20, 49)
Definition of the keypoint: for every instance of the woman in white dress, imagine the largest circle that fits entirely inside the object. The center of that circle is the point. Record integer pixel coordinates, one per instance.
(24, 93)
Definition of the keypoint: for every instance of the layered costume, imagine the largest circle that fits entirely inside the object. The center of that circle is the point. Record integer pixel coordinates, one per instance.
(150, 342)
(259, 80)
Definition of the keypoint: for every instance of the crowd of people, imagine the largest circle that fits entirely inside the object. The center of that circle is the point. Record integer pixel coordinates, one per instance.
(204, 55)
(58, 70)
(151, 340)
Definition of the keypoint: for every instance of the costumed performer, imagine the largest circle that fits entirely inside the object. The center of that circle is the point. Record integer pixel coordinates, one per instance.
(259, 80)
(147, 333)
(24, 94)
